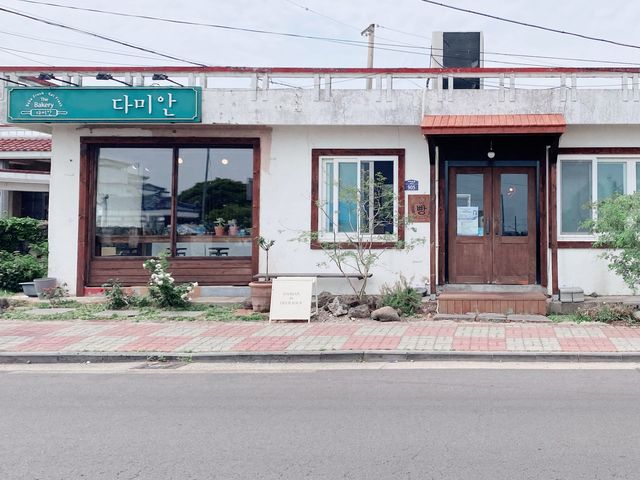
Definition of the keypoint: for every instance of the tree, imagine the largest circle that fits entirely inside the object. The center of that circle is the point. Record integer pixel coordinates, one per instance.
(617, 226)
(368, 215)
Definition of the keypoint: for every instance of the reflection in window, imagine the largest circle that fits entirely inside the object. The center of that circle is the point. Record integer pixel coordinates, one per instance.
(611, 179)
(135, 204)
(133, 201)
(514, 204)
(575, 183)
(214, 207)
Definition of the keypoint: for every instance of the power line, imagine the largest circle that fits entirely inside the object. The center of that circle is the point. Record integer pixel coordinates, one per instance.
(97, 35)
(75, 45)
(533, 25)
(9, 50)
(379, 46)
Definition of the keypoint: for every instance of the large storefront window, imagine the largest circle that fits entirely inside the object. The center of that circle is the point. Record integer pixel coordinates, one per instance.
(189, 202)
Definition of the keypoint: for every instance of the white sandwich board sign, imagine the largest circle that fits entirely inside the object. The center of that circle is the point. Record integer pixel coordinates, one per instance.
(291, 298)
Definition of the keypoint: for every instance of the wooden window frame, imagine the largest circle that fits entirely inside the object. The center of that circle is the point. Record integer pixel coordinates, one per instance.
(89, 147)
(316, 155)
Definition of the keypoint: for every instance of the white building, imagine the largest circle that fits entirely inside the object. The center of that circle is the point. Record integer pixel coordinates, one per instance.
(508, 172)
(24, 172)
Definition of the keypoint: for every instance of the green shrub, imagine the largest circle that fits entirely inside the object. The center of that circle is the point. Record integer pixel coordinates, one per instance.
(606, 313)
(21, 233)
(117, 297)
(163, 290)
(401, 296)
(16, 268)
(617, 226)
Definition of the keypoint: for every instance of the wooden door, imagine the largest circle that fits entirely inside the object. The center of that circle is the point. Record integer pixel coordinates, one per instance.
(514, 225)
(492, 226)
(470, 243)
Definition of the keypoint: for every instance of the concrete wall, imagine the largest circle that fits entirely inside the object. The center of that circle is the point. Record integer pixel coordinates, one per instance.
(286, 199)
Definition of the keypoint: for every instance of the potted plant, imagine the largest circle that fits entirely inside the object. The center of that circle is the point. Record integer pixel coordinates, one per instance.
(219, 227)
(261, 290)
(233, 227)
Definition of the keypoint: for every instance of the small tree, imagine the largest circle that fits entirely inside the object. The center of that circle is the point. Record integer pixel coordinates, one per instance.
(617, 226)
(370, 217)
(266, 245)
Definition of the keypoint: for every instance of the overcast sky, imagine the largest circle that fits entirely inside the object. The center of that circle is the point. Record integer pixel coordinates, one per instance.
(613, 19)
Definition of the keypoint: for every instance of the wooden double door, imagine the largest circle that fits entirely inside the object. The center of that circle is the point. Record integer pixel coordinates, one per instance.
(492, 225)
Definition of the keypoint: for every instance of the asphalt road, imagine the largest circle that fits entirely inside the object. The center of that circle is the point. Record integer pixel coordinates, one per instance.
(348, 424)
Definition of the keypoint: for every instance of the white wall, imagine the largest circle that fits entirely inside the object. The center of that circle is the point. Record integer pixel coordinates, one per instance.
(64, 198)
(585, 269)
(286, 200)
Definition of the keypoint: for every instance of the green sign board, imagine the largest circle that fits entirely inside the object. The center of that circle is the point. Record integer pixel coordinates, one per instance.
(105, 104)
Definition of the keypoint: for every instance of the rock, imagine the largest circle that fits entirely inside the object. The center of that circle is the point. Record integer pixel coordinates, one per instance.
(361, 311)
(336, 308)
(247, 303)
(385, 314)
(324, 298)
(373, 302)
(349, 300)
(4, 303)
(636, 315)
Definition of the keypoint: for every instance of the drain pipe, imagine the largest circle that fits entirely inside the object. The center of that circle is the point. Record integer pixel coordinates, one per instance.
(435, 232)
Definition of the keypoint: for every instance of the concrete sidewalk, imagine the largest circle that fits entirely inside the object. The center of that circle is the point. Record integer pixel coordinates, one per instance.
(69, 338)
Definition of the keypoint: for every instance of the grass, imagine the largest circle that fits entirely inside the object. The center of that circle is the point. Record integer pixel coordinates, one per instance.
(212, 313)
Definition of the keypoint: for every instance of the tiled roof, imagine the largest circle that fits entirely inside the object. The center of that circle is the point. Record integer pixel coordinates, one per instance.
(487, 124)
(25, 145)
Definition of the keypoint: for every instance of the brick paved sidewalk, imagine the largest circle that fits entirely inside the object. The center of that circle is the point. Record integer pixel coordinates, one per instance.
(199, 337)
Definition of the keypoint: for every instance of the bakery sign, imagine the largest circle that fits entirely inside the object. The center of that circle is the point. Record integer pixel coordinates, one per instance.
(105, 105)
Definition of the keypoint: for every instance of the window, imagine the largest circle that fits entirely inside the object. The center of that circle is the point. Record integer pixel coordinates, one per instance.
(589, 180)
(575, 185)
(190, 202)
(358, 193)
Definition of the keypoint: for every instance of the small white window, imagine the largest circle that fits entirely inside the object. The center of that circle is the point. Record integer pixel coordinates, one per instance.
(358, 195)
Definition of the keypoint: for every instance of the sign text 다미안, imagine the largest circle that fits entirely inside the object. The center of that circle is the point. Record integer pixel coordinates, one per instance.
(105, 104)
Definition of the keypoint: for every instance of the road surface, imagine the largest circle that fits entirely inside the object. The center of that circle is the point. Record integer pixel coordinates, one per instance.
(418, 423)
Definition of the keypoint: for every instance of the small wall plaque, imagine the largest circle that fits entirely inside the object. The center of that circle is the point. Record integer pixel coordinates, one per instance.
(411, 185)
(419, 210)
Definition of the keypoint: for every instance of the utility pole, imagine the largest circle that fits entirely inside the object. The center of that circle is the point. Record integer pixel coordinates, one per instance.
(369, 32)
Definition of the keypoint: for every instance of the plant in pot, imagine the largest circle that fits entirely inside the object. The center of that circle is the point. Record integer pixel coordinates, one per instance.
(261, 290)
(219, 226)
(233, 227)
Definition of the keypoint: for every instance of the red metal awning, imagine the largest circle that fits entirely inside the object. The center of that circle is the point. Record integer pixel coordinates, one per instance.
(493, 124)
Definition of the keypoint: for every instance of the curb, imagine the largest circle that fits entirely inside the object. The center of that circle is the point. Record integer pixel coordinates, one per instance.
(350, 356)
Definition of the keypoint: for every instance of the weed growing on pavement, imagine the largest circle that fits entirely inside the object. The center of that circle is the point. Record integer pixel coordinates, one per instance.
(606, 313)
(55, 295)
(117, 297)
(402, 297)
(229, 313)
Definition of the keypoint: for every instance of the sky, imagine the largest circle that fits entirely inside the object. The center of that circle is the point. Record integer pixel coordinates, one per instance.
(408, 22)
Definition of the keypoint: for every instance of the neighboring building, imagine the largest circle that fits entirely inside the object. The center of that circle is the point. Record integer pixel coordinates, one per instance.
(509, 171)
(25, 161)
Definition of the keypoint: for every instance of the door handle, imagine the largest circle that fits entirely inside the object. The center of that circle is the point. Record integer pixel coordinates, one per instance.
(487, 225)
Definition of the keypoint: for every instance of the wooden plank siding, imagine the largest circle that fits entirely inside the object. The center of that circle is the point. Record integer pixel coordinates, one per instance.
(504, 303)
